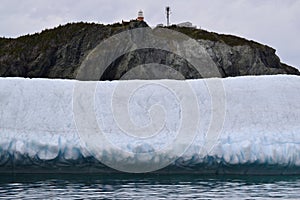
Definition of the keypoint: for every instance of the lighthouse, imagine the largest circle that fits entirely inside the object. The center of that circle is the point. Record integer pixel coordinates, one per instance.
(140, 16)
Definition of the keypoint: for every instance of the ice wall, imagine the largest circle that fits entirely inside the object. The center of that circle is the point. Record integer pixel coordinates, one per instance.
(259, 132)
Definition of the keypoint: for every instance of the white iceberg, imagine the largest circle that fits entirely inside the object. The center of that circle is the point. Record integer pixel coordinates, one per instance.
(45, 125)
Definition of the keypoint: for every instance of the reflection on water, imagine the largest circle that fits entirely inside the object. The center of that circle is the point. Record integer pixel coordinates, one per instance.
(149, 186)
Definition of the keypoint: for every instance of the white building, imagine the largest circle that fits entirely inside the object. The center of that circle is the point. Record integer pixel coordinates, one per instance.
(140, 16)
(186, 24)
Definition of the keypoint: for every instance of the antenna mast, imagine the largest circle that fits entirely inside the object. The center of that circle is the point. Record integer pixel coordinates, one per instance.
(168, 12)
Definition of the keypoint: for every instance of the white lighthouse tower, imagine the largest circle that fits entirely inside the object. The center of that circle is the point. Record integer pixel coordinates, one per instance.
(140, 16)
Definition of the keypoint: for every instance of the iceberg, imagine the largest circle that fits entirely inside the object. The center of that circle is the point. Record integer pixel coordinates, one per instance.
(241, 125)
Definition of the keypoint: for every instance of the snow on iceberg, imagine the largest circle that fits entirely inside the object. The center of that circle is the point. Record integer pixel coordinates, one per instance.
(52, 125)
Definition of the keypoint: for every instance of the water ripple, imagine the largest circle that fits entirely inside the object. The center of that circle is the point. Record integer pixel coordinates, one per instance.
(147, 187)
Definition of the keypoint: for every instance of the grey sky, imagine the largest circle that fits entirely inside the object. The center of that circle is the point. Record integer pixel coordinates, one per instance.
(272, 22)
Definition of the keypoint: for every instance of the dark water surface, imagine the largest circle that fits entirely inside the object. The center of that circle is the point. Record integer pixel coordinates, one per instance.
(147, 186)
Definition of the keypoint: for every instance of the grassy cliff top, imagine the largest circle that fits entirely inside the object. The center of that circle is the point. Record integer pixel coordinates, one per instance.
(64, 33)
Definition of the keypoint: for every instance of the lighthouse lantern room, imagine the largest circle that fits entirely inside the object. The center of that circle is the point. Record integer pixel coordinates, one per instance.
(140, 16)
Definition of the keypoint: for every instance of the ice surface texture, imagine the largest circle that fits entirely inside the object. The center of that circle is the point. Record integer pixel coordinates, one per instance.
(260, 133)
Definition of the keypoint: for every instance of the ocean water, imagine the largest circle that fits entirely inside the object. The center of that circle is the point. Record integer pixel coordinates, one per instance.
(147, 186)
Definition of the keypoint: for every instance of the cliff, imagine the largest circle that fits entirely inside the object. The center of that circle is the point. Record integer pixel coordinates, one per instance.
(58, 53)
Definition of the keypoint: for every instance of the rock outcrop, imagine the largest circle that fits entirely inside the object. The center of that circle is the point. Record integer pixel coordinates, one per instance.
(241, 60)
(58, 53)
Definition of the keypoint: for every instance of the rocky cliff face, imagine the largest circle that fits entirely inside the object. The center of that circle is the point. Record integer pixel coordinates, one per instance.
(59, 52)
(244, 60)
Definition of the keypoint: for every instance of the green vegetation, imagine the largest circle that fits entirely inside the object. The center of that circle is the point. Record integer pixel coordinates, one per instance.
(48, 38)
(227, 39)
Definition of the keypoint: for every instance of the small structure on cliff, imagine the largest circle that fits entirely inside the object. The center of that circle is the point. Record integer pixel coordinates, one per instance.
(168, 12)
(186, 25)
(140, 16)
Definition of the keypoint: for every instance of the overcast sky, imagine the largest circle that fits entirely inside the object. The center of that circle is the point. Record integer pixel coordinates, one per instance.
(272, 22)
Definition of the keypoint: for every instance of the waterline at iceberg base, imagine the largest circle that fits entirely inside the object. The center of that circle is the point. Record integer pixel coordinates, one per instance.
(42, 129)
